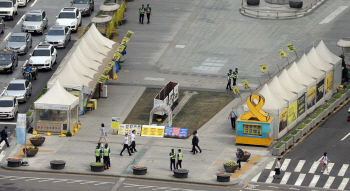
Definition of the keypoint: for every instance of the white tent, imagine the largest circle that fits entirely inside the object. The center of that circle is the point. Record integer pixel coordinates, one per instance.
(297, 75)
(93, 31)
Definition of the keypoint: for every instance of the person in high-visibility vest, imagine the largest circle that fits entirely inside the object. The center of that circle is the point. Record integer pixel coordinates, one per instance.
(98, 153)
(106, 152)
(229, 77)
(235, 76)
(142, 14)
(179, 159)
(148, 12)
(172, 159)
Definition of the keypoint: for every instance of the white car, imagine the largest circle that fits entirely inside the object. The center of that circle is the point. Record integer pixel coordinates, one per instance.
(43, 56)
(22, 3)
(8, 107)
(8, 9)
(70, 17)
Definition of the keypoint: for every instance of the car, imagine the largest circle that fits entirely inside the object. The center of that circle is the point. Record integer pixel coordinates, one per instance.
(19, 42)
(8, 107)
(22, 3)
(21, 89)
(8, 61)
(58, 36)
(8, 9)
(2, 25)
(44, 56)
(70, 17)
(84, 6)
(35, 21)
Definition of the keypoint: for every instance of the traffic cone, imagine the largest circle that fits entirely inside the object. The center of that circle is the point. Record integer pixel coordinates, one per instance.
(105, 167)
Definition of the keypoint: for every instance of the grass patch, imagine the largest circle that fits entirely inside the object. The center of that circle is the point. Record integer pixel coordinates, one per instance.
(343, 91)
(307, 121)
(287, 138)
(325, 106)
(294, 132)
(279, 145)
(337, 96)
(320, 111)
(301, 126)
(331, 101)
(347, 87)
(29, 114)
(313, 116)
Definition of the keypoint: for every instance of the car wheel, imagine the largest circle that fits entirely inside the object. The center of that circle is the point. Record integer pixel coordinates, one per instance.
(30, 93)
(12, 68)
(45, 26)
(89, 12)
(55, 60)
(31, 43)
(50, 67)
(3, 30)
(16, 12)
(93, 7)
(70, 37)
(13, 16)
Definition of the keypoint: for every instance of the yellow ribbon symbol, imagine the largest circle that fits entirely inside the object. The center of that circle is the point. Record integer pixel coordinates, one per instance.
(255, 109)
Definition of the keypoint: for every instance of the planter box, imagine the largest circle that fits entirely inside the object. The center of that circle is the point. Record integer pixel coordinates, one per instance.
(231, 169)
(342, 98)
(296, 137)
(181, 173)
(317, 120)
(138, 171)
(14, 163)
(303, 130)
(36, 142)
(347, 94)
(57, 165)
(278, 151)
(31, 152)
(288, 143)
(245, 158)
(222, 178)
(97, 168)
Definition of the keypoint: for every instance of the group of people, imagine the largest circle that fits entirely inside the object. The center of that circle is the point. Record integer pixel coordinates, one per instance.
(231, 76)
(142, 11)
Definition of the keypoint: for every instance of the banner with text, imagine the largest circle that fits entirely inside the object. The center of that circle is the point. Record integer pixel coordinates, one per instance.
(301, 105)
(329, 82)
(320, 90)
(127, 128)
(152, 131)
(175, 132)
(292, 112)
(311, 97)
(115, 123)
(21, 129)
(283, 119)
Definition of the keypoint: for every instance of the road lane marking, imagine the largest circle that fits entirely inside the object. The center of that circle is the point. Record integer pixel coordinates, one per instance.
(300, 179)
(314, 167)
(8, 123)
(1, 145)
(343, 184)
(329, 182)
(314, 180)
(270, 164)
(45, 180)
(154, 79)
(255, 179)
(299, 166)
(245, 167)
(285, 178)
(330, 166)
(20, 20)
(270, 178)
(33, 3)
(333, 15)
(343, 170)
(5, 40)
(285, 164)
(345, 137)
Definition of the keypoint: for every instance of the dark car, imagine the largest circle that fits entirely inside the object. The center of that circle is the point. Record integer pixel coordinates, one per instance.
(8, 61)
(84, 6)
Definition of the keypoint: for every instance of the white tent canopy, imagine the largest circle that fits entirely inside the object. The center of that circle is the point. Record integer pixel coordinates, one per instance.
(295, 72)
(318, 62)
(280, 91)
(273, 104)
(327, 55)
(290, 84)
(310, 70)
(56, 98)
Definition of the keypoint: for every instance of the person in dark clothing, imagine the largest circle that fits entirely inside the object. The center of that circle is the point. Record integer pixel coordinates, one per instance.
(106, 159)
(148, 12)
(229, 78)
(4, 135)
(142, 14)
(233, 117)
(239, 156)
(172, 159)
(195, 141)
(200, 150)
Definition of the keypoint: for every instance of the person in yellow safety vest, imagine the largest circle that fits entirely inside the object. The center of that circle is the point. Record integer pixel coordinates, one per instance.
(106, 159)
(148, 12)
(142, 14)
(179, 159)
(229, 77)
(235, 76)
(172, 159)
(98, 153)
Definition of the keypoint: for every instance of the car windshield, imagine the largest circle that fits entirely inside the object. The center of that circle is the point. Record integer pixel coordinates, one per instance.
(5, 4)
(33, 18)
(16, 87)
(5, 56)
(17, 39)
(66, 16)
(56, 32)
(41, 53)
(81, 1)
(6, 103)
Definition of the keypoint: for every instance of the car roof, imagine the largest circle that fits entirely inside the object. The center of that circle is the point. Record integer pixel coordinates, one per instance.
(35, 11)
(43, 46)
(6, 97)
(19, 34)
(68, 9)
(57, 27)
(17, 81)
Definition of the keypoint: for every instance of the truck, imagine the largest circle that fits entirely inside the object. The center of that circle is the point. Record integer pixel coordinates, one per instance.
(169, 95)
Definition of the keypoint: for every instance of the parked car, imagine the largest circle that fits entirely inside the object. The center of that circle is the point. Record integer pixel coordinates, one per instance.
(70, 17)
(19, 42)
(22, 3)
(58, 36)
(35, 21)
(84, 6)
(8, 107)
(8, 61)
(44, 56)
(21, 89)
(8, 9)
(2, 25)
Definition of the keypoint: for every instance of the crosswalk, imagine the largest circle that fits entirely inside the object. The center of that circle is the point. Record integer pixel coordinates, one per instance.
(307, 173)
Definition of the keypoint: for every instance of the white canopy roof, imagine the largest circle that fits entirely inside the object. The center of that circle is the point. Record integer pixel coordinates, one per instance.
(280, 91)
(93, 31)
(290, 84)
(297, 75)
(272, 104)
(344, 42)
(56, 98)
(317, 61)
(310, 70)
(327, 55)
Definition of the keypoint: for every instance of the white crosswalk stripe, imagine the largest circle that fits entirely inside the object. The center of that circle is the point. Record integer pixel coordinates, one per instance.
(255, 179)
(285, 164)
(300, 179)
(329, 182)
(299, 166)
(270, 178)
(314, 167)
(330, 166)
(343, 170)
(314, 180)
(270, 164)
(343, 184)
(285, 178)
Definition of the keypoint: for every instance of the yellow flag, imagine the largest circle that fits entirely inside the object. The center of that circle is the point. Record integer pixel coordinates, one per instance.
(235, 90)
(120, 48)
(117, 56)
(290, 47)
(102, 79)
(263, 68)
(106, 70)
(110, 64)
(245, 84)
(283, 54)
(126, 40)
(129, 34)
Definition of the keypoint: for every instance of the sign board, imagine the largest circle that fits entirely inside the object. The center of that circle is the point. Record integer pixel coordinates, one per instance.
(102, 79)
(21, 129)
(127, 128)
(263, 68)
(129, 34)
(175, 132)
(152, 131)
(290, 47)
(49, 127)
(282, 54)
(115, 122)
(50, 106)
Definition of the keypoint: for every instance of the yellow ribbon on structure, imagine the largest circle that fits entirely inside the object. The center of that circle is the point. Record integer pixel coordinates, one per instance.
(255, 109)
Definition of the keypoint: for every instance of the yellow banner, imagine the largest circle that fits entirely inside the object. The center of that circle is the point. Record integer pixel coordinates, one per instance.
(283, 119)
(120, 48)
(263, 68)
(292, 112)
(290, 47)
(235, 90)
(106, 70)
(102, 79)
(152, 131)
(245, 84)
(110, 64)
(283, 54)
(329, 82)
(128, 128)
(115, 122)
(126, 40)
(117, 56)
(129, 34)
(310, 97)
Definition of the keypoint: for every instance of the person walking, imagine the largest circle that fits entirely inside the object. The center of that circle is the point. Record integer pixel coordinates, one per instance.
(233, 117)
(194, 142)
(133, 143)
(277, 169)
(103, 133)
(235, 76)
(149, 13)
(239, 156)
(98, 153)
(196, 133)
(179, 159)
(106, 159)
(172, 159)
(229, 77)
(126, 145)
(324, 161)
(142, 14)
(4, 135)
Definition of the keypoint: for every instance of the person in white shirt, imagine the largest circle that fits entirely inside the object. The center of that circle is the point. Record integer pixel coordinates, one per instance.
(133, 143)
(126, 145)
(325, 162)
(103, 133)
(277, 169)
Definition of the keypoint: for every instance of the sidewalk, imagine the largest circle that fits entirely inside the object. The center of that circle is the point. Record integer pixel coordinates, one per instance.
(216, 141)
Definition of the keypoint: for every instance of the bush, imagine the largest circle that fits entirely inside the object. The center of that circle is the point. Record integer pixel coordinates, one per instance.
(307, 121)
(31, 107)
(230, 163)
(294, 132)
(29, 114)
(287, 138)
(279, 145)
(325, 106)
(347, 87)
(331, 100)
(301, 126)
(320, 111)
(313, 116)
(343, 91)
(97, 164)
(337, 96)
